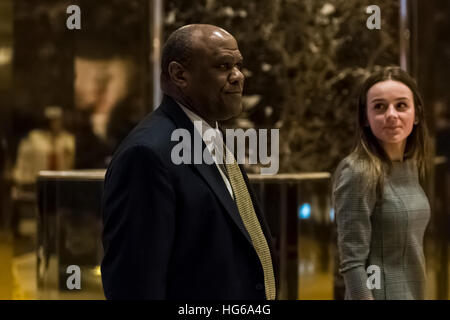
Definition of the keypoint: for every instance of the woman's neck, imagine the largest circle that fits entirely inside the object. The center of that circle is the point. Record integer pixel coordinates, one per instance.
(395, 151)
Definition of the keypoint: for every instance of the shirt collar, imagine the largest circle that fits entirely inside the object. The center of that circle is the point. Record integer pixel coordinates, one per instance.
(196, 120)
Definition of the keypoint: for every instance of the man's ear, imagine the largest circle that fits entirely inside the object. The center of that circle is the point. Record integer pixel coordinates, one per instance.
(177, 74)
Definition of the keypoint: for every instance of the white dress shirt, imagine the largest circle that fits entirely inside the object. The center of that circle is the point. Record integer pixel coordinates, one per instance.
(210, 145)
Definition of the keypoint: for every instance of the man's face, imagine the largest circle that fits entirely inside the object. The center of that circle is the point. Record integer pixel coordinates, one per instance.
(214, 78)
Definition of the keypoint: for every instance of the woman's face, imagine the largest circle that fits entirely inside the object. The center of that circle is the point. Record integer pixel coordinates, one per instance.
(390, 112)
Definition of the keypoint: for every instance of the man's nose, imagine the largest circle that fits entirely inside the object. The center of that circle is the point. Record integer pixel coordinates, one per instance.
(236, 76)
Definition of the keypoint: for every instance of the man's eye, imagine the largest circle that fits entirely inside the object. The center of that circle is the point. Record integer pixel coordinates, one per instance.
(224, 66)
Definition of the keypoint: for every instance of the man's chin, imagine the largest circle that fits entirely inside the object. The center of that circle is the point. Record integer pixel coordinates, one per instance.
(235, 110)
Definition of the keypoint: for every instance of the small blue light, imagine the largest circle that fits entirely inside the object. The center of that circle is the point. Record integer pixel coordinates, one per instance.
(304, 212)
(332, 214)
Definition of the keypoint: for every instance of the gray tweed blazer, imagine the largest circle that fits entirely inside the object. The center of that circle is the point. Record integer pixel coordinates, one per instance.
(386, 233)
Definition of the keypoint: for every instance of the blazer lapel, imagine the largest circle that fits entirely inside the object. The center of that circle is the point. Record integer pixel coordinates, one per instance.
(209, 172)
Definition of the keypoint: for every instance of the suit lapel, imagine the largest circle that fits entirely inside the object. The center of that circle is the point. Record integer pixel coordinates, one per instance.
(212, 176)
(209, 173)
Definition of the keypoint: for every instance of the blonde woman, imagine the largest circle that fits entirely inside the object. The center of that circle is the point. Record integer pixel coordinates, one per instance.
(381, 209)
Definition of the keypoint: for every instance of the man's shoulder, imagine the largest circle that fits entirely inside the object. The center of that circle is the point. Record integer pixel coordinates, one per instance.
(153, 133)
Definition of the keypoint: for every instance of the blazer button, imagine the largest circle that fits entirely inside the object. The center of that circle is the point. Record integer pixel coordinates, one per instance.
(259, 286)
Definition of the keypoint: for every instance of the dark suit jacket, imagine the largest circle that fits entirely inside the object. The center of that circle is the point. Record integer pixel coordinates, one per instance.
(173, 231)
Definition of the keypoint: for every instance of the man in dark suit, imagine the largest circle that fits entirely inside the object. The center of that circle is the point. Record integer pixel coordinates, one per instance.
(185, 231)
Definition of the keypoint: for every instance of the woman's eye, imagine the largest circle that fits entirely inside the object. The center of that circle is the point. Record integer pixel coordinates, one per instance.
(402, 105)
(378, 106)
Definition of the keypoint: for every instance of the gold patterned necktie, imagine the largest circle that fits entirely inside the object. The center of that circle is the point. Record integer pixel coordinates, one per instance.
(248, 215)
